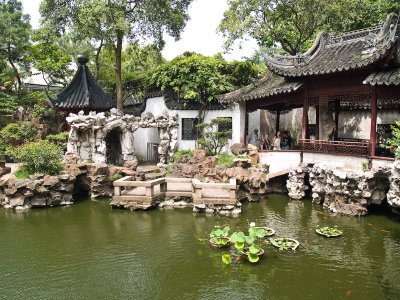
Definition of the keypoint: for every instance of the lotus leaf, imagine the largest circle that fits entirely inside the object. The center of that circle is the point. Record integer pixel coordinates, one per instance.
(329, 231)
(254, 249)
(253, 258)
(226, 258)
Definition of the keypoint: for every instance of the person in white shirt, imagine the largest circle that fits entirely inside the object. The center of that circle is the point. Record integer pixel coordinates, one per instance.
(254, 138)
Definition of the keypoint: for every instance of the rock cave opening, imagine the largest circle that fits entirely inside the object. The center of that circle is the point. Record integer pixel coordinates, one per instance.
(113, 147)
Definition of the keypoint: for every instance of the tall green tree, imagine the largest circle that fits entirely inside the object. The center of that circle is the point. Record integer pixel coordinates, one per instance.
(137, 65)
(200, 78)
(15, 32)
(293, 24)
(116, 20)
(50, 58)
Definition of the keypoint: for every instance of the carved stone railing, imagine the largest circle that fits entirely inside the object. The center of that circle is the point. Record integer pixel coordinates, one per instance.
(148, 193)
(361, 149)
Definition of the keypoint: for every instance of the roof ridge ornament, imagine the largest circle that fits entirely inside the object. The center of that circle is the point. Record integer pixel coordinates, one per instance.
(82, 59)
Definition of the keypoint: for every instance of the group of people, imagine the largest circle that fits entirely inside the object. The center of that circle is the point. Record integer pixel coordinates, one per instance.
(281, 140)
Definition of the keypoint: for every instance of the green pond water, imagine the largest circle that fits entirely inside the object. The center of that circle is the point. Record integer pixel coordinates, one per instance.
(89, 251)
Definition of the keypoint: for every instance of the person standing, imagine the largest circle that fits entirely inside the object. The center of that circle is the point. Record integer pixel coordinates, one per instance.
(266, 142)
(254, 138)
(276, 144)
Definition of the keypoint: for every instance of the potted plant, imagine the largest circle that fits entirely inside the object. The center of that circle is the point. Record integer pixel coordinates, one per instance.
(285, 243)
(249, 245)
(219, 236)
(329, 231)
(268, 231)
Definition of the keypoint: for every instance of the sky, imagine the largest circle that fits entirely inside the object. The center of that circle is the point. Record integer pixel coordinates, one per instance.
(199, 34)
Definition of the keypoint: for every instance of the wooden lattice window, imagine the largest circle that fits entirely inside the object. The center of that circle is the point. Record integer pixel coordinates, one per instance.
(226, 126)
(189, 131)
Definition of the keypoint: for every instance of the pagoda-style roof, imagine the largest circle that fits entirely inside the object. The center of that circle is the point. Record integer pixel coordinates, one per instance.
(269, 85)
(332, 54)
(388, 77)
(83, 92)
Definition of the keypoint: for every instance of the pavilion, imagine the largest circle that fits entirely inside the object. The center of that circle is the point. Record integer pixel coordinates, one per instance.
(351, 73)
(83, 93)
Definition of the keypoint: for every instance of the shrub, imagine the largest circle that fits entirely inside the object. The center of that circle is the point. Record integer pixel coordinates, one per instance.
(22, 173)
(116, 176)
(211, 140)
(178, 154)
(227, 160)
(395, 141)
(59, 139)
(16, 134)
(39, 157)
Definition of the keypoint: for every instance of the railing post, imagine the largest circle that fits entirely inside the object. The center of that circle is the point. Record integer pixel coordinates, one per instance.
(149, 191)
(117, 191)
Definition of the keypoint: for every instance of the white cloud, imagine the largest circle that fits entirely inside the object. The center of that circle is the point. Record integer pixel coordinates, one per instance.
(199, 34)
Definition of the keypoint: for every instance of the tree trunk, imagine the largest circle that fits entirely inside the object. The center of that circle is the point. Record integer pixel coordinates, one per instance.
(118, 73)
(97, 62)
(16, 73)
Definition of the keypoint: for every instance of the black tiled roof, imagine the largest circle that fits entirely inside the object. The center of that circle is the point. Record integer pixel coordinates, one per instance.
(83, 92)
(331, 54)
(270, 85)
(172, 102)
(386, 77)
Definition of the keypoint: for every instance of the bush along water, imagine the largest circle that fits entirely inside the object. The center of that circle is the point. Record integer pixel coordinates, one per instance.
(38, 158)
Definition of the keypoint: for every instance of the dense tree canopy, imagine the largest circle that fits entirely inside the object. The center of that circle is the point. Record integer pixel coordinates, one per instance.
(111, 21)
(15, 32)
(200, 78)
(137, 64)
(292, 24)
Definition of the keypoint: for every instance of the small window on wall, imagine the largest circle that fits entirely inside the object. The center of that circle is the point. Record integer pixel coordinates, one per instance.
(226, 126)
(189, 131)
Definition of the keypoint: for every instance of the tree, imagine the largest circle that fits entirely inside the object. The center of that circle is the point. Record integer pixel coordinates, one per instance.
(15, 32)
(395, 140)
(114, 20)
(213, 139)
(50, 58)
(195, 77)
(293, 24)
(137, 65)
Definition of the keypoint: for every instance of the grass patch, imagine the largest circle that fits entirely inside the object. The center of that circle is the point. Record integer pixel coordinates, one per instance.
(227, 160)
(116, 176)
(22, 173)
(178, 154)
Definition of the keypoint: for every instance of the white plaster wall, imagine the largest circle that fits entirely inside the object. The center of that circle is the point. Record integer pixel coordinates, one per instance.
(357, 124)
(342, 162)
(155, 105)
(254, 121)
(142, 136)
(280, 160)
(236, 111)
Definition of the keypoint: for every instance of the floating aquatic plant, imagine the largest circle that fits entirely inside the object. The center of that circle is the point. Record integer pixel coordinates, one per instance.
(329, 231)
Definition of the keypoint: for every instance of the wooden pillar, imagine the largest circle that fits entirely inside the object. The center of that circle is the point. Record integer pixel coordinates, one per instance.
(317, 122)
(337, 111)
(304, 124)
(374, 112)
(278, 115)
(246, 125)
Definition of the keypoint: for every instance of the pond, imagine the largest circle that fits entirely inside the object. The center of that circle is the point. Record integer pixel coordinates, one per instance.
(89, 251)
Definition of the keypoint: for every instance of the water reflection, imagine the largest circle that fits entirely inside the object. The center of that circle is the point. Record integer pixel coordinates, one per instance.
(88, 251)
